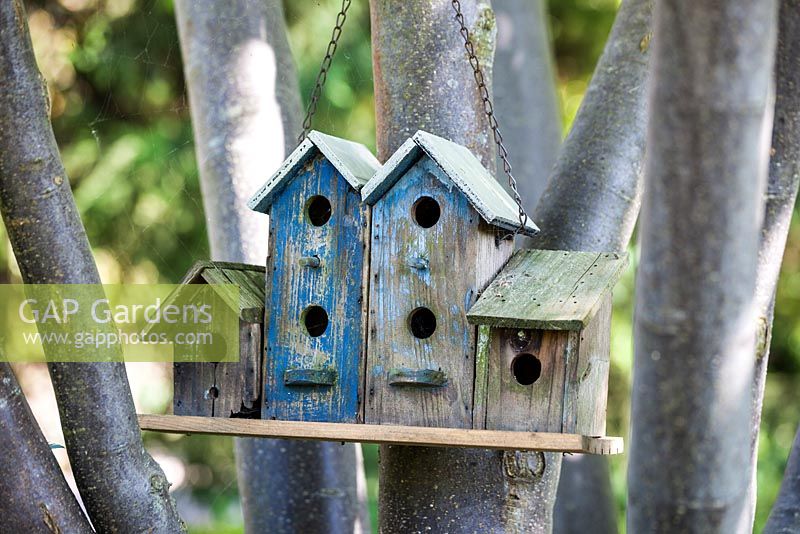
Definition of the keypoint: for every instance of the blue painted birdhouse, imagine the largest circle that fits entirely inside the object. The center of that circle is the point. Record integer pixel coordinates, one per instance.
(441, 228)
(315, 303)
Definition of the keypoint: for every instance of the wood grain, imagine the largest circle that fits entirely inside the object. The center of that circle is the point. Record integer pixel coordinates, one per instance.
(548, 290)
(441, 268)
(226, 388)
(384, 434)
(336, 285)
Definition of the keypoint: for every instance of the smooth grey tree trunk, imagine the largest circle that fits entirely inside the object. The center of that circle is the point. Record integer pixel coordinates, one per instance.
(695, 322)
(35, 496)
(525, 94)
(122, 487)
(585, 499)
(245, 109)
(782, 186)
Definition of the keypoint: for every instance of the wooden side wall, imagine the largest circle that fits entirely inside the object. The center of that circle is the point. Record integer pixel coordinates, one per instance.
(336, 285)
(223, 389)
(442, 268)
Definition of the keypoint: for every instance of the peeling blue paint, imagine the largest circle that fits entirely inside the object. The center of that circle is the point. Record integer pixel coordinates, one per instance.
(336, 286)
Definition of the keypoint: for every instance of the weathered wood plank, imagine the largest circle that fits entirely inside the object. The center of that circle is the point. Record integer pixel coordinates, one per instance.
(586, 397)
(462, 169)
(226, 388)
(298, 292)
(353, 161)
(520, 395)
(548, 290)
(436, 267)
(384, 434)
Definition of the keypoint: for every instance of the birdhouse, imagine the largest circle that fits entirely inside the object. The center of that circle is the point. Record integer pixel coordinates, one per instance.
(225, 389)
(543, 343)
(440, 232)
(316, 280)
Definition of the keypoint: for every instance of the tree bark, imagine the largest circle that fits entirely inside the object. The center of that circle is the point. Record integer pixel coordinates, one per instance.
(592, 199)
(35, 496)
(782, 187)
(785, 515)
(122, 487)
(695, 307)
(246, 115)
(525, 94)
(585, 500)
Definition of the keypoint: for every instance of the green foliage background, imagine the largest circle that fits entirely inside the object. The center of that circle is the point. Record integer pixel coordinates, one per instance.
(121, 120)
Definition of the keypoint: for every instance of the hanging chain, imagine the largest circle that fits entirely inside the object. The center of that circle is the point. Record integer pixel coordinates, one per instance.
(488, 108)
(322, 77)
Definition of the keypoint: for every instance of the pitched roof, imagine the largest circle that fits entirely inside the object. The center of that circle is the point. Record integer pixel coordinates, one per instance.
(250, 280)
(353, 161)
(462, 167)
(548, 290)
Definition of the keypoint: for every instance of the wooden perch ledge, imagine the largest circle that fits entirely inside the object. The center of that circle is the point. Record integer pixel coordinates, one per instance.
(383, 434)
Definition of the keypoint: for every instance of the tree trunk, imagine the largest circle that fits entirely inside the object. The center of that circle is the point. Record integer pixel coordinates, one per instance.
(695, 307)
(35, 496)
(122, 487)
(525, 94)
(782, 186)
(585, 500)
(245, 109)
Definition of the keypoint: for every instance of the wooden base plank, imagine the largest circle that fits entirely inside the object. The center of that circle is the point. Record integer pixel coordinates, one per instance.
(383, 434)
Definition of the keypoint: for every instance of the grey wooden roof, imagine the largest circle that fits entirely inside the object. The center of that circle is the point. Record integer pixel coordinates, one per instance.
(548, 290)
(459, 164)
(250, 280)
(353, 161)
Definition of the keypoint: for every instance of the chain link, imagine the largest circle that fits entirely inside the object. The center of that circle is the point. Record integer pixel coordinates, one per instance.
(322, 77)
(488, 109)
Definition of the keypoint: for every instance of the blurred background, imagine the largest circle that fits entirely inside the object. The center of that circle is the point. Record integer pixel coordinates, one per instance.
(121, 118)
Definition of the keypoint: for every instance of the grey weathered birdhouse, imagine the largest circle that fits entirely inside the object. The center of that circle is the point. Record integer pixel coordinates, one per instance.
(440, 224)
(225, 389)
(543, 343)
(316, 287)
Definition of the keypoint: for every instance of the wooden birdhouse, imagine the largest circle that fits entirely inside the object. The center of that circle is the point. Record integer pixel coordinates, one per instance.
(226, 389)
(543, 343)
(316, 280)
(440, 228)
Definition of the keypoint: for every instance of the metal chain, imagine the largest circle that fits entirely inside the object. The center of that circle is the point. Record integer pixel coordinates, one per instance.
(322, 77)
(488, 109)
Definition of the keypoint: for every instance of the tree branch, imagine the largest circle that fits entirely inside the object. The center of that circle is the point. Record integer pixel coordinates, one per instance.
(592, 199)
(97, 413)
(782, 187)
(591, 203)
(695, 309)
(34, 494)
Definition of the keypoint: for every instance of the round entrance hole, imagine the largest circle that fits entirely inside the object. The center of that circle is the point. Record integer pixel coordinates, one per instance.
(526, 369)
(426, 212)
(318, 210)
(422, 323)
(315, 320)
